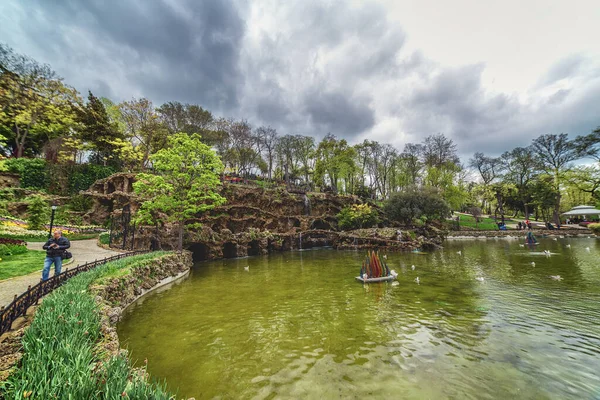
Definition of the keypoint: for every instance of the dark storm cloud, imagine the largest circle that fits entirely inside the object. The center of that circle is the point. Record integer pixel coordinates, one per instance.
(187, 51)
(338, 113)
(319, 73)
(307, 67)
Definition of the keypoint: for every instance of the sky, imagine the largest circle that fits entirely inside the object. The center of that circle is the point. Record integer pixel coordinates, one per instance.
(491, 75)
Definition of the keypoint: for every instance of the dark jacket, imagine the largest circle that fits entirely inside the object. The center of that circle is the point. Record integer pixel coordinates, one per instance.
(63, 244)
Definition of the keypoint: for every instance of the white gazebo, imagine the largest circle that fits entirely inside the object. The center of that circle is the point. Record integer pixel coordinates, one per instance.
(582, 210)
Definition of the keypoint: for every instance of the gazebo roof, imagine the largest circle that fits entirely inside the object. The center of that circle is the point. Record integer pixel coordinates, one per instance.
(583, 210)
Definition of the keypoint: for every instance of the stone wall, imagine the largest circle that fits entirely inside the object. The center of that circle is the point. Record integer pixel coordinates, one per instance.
(8, 180)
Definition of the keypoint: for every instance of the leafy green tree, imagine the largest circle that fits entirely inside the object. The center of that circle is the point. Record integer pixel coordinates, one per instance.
(35, 106)
(99, 131)
(37, 210)
(335, 160)
(415, 203)
(184, 182)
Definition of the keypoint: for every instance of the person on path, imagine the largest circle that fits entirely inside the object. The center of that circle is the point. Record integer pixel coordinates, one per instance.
(55, 247)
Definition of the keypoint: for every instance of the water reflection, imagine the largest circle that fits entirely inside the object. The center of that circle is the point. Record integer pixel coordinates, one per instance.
(297, 325)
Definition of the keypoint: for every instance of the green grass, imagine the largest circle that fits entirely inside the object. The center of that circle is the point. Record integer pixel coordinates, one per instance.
(60, 353)
(485, 224)
(21, 264)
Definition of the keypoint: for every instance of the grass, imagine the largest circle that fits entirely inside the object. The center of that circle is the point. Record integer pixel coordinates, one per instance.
(21, 264)
(61, 354)
(485, 224)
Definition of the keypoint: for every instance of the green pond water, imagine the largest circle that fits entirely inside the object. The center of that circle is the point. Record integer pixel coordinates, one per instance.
(297, 325)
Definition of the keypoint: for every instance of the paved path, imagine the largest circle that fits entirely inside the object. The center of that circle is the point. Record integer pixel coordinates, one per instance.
(83, 251)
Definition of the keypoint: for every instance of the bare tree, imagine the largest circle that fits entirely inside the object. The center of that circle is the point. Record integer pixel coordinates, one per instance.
(555, 153)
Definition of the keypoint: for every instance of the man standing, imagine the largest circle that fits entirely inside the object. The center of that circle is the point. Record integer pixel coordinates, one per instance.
(55, 247)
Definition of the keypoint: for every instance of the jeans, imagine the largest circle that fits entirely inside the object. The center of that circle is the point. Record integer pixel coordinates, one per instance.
(48, 262)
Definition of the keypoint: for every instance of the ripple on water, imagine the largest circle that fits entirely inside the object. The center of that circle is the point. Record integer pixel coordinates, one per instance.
(313, 332)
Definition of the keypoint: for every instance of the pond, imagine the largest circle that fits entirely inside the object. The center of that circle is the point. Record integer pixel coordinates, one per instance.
(297, 325)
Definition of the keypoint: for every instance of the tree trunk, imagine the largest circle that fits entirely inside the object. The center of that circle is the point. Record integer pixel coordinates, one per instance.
(557, 209)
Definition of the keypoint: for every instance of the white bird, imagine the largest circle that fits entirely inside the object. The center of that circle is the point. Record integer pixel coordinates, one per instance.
(418, 280)
(247, 268)
(547, 253)
(385, 257)
(459, 252)
(393, 273)
(521, 245)
(555, 239)
(412, 267)
(556, 277)
(532, 264)
(569, 246)
(587, 249)
(480, 279)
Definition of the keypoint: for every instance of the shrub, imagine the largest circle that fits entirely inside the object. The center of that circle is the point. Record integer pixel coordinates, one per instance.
(104, 237)
(80, 203)
(32, 171)
(595, 228)
(37, 212)
(83, 176)
(357, 216)
(12, 249)
(417, 203)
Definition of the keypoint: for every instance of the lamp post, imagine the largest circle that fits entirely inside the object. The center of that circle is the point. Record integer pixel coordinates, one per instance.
(52, 221)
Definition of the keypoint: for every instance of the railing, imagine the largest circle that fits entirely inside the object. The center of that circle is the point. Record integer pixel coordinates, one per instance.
(20, 304)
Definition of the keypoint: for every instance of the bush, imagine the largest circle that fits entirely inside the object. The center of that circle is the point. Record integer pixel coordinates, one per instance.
(80, 203)
(357, 216)
(37, 211)
(32, 171)
(104, 237)
(83, 176)
(595, 228)
(12, 249)
(417, 203)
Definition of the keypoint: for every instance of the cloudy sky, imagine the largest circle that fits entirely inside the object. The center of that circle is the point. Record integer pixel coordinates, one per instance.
(490, 74)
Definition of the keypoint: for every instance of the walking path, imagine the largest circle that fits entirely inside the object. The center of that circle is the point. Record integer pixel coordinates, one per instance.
(83, 251)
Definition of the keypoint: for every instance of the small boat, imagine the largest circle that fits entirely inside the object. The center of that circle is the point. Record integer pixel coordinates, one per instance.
(375, 270)
(373, 280)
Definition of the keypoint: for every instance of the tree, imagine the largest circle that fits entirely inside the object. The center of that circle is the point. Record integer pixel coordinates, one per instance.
(37, 212)
(438, 151)
(414, 203)
(555, 154)
(99, 131)
(521, 168)
(188, 118)
(334, 160)
(143, 127)
(268, 137)
(411, 156)
(305, 151)
(183, 184)
(35, 106)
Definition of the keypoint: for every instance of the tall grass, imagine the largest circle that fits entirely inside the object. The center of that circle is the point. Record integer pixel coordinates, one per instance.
(60, 353)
